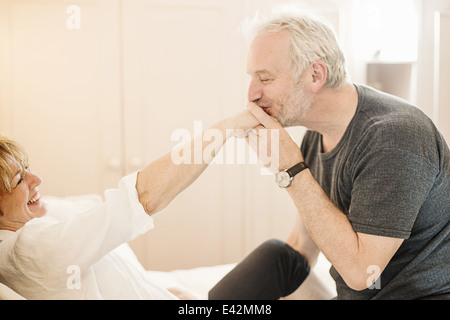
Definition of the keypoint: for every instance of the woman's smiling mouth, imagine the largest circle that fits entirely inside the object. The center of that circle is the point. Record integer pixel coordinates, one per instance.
(34, 199)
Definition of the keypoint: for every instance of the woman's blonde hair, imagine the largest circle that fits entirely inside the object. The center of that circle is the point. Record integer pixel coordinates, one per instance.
(10, 152)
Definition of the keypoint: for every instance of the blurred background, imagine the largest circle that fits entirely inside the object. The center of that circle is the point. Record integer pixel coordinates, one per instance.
(94, 89)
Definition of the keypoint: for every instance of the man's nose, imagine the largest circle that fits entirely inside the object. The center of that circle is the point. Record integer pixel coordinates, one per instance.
(255, 91)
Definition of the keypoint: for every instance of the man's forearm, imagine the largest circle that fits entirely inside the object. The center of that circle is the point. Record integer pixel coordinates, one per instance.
(352, 254)
(328, 227)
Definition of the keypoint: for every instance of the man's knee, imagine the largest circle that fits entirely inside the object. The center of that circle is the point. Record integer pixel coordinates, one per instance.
(278, 250)
(271, 271)
(273, 248)
(292, 267)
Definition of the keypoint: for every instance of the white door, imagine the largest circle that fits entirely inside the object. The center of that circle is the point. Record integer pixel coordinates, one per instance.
(60, 90)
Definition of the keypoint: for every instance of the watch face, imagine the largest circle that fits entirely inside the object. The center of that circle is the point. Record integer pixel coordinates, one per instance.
(283, 179)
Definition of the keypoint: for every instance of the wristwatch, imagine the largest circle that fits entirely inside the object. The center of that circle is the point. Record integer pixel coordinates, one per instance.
(284, 178)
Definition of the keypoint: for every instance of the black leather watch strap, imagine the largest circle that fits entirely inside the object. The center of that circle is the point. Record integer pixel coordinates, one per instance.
(297, 169)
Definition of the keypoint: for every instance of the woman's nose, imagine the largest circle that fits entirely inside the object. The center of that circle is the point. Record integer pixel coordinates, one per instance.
(34, 179)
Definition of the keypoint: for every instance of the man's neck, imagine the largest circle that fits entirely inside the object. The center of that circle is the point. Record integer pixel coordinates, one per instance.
(331, 114)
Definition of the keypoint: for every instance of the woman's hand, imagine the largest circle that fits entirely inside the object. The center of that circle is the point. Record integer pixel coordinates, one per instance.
(240, 124)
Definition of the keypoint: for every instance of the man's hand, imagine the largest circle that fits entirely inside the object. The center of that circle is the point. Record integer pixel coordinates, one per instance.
(263, 118)
(287, 151)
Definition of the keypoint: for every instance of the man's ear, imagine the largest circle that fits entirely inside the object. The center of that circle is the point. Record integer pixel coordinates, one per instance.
(319, 73)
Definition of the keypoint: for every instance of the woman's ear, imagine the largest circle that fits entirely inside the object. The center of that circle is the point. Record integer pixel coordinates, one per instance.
(319, 73)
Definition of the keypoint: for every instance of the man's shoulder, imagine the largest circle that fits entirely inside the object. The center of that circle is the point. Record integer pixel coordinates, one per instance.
(382, 108)
(390, 121)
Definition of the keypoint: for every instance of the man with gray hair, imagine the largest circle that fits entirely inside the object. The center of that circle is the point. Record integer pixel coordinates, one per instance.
(371, 180)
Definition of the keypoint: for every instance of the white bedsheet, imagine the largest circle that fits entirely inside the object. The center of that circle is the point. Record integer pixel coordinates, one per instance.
(199, 281)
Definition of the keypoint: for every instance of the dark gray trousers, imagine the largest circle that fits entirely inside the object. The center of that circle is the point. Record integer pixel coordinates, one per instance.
(271, 271)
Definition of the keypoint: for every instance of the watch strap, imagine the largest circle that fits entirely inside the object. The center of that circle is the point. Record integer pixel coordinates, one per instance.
(297, 169)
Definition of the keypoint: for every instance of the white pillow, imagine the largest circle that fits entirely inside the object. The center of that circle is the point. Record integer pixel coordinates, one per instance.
(8, 294)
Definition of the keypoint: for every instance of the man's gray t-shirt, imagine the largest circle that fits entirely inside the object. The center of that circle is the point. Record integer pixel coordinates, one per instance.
(390, 175)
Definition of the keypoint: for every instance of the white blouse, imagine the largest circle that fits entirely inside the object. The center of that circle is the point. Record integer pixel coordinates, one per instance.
(78, 253)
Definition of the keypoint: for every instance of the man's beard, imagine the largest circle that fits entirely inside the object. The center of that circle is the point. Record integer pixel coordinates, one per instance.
(295, 107)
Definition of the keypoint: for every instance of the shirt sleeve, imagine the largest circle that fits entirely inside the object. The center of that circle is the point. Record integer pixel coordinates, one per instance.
(389, 189)
(46, 246)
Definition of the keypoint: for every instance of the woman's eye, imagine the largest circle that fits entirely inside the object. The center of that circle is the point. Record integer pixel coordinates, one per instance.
(19, 181)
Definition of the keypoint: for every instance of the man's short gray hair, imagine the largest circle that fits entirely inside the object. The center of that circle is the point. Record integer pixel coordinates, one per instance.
(311, 40)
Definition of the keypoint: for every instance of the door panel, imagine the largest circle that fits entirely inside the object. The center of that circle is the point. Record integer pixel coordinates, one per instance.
(62, 101)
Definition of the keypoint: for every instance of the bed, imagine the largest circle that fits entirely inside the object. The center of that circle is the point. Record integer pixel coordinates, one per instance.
(197, 281)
